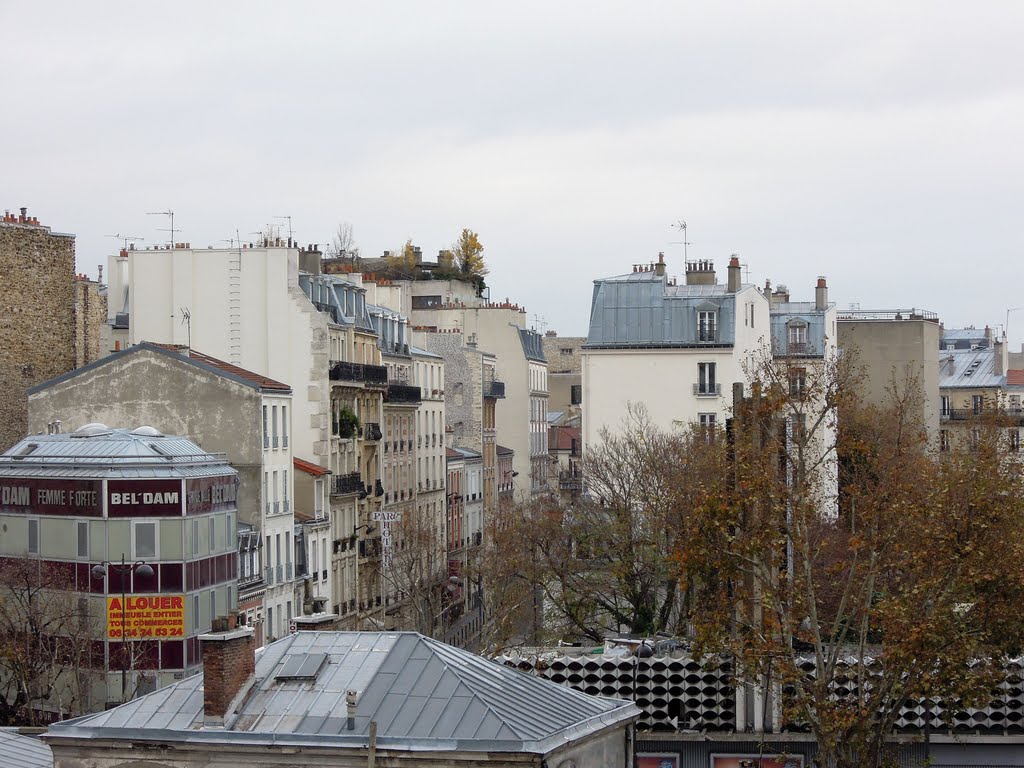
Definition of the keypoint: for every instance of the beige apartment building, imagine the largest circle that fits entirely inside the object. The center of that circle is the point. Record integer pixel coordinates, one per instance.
(895, 346)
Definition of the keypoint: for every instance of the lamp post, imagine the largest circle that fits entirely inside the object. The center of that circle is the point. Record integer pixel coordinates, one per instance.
(124, 568)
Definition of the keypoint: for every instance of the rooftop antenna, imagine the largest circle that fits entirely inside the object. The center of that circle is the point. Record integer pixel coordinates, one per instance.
(125, 239)
(681, 226)
(170, 214)
(186, 320)
(539, 323)
(289, 225)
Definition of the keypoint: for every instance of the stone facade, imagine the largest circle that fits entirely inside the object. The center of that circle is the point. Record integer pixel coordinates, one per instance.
(90, 320)
(37, 315)
(563, 352)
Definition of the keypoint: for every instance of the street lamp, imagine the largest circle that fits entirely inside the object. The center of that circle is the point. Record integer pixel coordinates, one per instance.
(124, 568)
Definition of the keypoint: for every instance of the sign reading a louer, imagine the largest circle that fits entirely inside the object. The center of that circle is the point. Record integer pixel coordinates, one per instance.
(149, 616)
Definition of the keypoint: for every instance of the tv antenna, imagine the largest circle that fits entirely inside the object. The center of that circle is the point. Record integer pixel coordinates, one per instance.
(125, 239)
(681, 226)
(539, 323)
(186, 320)
(289, 218)
(170, 214)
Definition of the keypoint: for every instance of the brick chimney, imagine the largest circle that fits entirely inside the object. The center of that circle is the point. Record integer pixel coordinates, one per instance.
(229, 668)
(700, 273)
(660, 267)
(821, 295)
(734, 274)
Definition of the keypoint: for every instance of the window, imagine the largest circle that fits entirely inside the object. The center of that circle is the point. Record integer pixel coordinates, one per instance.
(706, 384)
(266, 434)
(213, 535)
(797, 339)
(213, 604)
(284, 426)
(576, 394)
(977, 403)
(566, 350)
(273, 424)
(33, 537)
(797, 381)
(195, 537)
(707, 426)
(229, 532)
(1014, 436)
(943, 440)
(270, 622)
(195, 612)
(946, 410)
(707, 325)
(83, 538)
(143, 539)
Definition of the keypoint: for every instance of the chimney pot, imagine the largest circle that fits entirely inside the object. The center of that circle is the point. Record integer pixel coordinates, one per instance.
(734, 274)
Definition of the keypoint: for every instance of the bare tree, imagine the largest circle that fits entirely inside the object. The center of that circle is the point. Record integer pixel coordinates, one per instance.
(46, 651)
(343, 243)
(418, 571)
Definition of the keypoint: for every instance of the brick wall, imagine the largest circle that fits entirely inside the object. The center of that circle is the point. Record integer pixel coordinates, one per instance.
(227, 664)
(37, 317)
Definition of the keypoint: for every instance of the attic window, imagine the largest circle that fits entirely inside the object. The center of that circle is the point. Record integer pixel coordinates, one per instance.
(304, 667)
(162, 451)
(30, 448)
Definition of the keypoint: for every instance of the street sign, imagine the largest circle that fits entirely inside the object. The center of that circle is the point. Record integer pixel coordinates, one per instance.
(293, 627)
(386, 515)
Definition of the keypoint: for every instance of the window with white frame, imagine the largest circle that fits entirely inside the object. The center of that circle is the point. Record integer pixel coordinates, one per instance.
(946, 408)
(706, 381)
(796, 334)
(707, 325)
(977, 403)
(143, 539)
(266, 432)
(707, 426)
(797, 381)
(284, 426)
(273, 426)
(943, 440)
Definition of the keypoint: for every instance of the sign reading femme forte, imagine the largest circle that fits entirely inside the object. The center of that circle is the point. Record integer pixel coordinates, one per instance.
(146, 617)
(81, 498)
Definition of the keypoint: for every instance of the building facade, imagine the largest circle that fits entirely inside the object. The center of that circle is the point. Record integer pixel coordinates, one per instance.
(90, 509)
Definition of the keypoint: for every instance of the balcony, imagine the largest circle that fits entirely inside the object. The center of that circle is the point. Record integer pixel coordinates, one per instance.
(707, 390)
(350, 483)
(495, 389)
(268, 576)
(374, 375)
(403, 393)
(372, 432)
(570, 481)
(279, 574)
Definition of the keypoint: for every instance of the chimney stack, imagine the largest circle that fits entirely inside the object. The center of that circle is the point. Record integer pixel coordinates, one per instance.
(821, 295)
(660, 268)
(700, 272)
(734, 274)
(229, 668)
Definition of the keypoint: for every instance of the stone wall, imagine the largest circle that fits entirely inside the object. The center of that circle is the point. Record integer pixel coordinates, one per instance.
(37, 316)
(90, 320)
(563, 352)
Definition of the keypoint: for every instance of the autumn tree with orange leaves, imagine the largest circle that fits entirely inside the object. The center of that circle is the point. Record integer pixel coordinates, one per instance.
(911, 592)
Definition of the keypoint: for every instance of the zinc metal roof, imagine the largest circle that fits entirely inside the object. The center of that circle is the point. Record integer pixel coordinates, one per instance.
(23, 751)
(970, 368)
(423, 695)
(111, 453)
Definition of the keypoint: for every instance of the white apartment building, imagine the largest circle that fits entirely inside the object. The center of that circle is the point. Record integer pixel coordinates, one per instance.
(676, 349)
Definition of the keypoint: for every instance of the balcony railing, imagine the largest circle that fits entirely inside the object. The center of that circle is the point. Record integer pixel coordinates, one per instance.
(288, 571)
(403, 393)
(359, 372)
(268, 576)
(570, 481)
(372, 431)
(350, 483)
(707, 390)
(279, 573)
(495, 389)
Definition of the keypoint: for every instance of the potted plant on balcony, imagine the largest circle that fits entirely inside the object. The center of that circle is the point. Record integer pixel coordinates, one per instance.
(347, 424)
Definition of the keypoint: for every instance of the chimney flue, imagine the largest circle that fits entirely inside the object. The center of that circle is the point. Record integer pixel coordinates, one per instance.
(821, 295)
(229, 668)
(734, 274)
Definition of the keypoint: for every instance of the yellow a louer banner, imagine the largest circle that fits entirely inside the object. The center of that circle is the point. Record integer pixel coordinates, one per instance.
(154, 616)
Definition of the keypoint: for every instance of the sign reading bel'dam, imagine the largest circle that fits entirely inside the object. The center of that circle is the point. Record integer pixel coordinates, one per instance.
(146, 617)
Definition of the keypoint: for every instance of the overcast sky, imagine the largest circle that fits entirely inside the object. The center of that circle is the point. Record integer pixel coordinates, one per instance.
(876, 143)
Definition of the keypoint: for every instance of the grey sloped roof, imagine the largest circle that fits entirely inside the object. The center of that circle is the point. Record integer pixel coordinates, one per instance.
(116, 453)
(969, 368)
(422, 694)
(533, 345)
(23, 751)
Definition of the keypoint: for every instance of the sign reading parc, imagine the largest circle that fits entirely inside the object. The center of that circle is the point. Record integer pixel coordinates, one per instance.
(51, 497)
(144, 617)
(144, 498)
